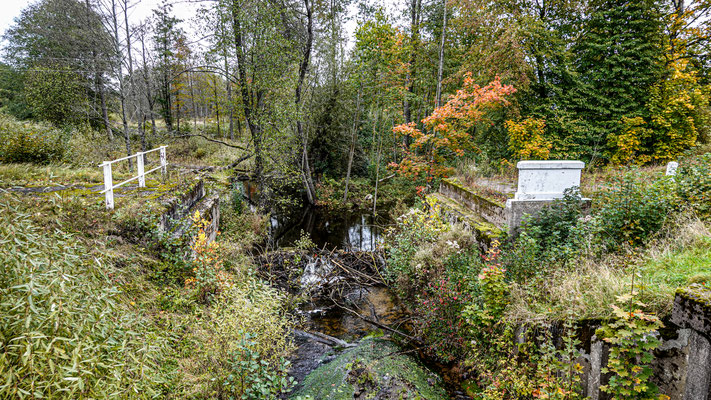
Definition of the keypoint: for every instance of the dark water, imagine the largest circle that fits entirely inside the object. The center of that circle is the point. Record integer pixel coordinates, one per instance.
(351, 231)
(355, 231)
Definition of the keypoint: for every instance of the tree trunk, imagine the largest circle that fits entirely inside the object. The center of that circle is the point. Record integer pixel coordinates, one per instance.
(217, 106)
(104, 110)
(192, 100)
(247, 101)
(229, 98)
(438, 101)
(377, 172)
(354, 136)
(415, 7)
(98, 82)
(122, 93)
(147, 82)
(303, 68)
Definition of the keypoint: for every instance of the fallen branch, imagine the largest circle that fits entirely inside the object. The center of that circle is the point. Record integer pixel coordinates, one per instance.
(386, 178)
(378, 324)
(210, 140)
(355, 272)
(325, 339)
(234, 164)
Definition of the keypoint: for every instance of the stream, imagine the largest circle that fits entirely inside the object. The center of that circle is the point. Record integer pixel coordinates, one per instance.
(338, 278)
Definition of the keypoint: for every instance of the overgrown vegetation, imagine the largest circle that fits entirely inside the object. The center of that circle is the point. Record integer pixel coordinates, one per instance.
(640, 241)
(104, 304)
(91, 317)
(67, 328)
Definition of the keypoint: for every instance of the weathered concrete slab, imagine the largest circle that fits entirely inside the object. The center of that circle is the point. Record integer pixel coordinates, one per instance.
(178, 206)
(547, 180)
(454, 212)
(490, 210)
(692, 309)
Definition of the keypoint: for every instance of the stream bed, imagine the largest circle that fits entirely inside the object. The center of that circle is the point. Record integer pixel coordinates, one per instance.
(344, 348)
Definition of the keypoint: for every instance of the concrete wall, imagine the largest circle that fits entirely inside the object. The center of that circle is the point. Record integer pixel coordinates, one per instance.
(490, 210)
(178, 206)
(682, 364)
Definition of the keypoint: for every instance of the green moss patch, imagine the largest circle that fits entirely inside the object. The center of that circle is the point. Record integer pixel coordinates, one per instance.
(374, 369)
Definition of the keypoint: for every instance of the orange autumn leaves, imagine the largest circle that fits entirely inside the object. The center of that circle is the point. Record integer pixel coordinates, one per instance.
(447, 131)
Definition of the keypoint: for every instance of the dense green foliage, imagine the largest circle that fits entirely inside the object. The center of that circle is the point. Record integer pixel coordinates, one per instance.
(640, 240)
(30, 142)
(66, 330)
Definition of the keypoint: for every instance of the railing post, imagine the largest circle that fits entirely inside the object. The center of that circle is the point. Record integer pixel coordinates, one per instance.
(108, 186)
(139, 165)
(163, 162)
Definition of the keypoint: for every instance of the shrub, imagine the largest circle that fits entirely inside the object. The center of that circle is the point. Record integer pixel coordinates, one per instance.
(246, 324)
(237, 198)
(433, 267)
(632, 210)
(489, 307)
(694, 183)
(29, 142)
(65, 331)
(550, 238)
(526, 139)
(208, 265)
(634, 335)
(414, 230)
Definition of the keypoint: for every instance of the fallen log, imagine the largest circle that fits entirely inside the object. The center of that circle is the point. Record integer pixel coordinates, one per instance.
(324, 338)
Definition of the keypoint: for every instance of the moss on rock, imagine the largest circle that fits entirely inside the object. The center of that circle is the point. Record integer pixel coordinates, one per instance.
(373, 370)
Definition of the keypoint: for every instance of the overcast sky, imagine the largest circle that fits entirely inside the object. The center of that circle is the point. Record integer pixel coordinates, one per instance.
(142, 9)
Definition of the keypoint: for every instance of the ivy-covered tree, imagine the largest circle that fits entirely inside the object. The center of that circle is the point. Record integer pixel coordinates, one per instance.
(618, 59)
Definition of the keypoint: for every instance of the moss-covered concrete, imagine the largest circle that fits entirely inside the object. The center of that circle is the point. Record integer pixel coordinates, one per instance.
(490, 210)
(372, 370)
(692, 308)
(484, 231)
(458, 185)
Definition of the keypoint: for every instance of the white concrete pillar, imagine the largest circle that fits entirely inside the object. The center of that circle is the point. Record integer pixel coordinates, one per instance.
(163, 161)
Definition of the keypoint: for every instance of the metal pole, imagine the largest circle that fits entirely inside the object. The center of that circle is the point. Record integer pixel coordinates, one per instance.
(108, 186)
(141, 174)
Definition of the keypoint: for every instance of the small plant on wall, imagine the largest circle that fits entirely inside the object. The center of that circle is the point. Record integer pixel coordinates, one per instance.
(210, 278)
(633, 336)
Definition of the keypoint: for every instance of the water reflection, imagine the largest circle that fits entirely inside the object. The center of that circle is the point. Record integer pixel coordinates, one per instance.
(361, 232)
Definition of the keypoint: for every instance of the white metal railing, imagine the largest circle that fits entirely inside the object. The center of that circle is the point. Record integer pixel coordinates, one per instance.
(108, 177)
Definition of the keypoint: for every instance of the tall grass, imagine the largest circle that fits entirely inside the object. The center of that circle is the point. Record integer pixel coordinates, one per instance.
(66, 332)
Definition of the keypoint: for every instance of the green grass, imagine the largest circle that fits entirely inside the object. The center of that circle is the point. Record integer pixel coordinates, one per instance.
(588, 290)
(27, 174)
(679, 268)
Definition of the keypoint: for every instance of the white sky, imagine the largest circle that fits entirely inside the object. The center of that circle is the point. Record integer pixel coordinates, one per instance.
(142, 9)
(182, 9)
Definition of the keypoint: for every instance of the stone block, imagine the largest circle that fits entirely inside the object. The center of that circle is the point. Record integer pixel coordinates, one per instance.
(692, 309)
(547, 180)
(671, 167)
(178, 206)
(698, 374)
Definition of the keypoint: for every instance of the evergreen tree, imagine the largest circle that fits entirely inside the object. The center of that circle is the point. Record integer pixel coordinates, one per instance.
(166, 35)
(618, 59)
